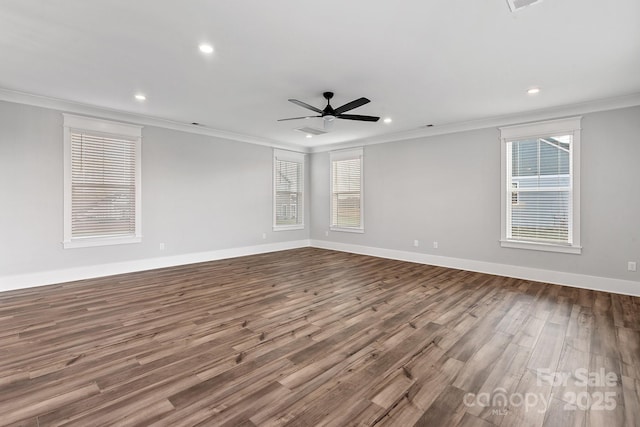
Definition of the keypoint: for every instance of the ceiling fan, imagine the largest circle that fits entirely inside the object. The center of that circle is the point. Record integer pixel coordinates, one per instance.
(329, 114)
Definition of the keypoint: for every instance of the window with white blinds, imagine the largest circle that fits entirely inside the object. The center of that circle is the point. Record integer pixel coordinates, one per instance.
(102, 182)
(346, 190)
(288, 188)
(540, 186)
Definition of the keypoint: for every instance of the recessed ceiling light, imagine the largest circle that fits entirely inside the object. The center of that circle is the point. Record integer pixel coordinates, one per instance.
(533, 91)
(387, 120)
(205, 48)
(309, 135)
(140, 97)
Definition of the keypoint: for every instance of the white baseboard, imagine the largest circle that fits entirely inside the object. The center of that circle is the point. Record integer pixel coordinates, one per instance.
(617, 286)
(31, 280)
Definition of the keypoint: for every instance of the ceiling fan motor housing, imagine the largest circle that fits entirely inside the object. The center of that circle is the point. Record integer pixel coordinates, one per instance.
(328, 113)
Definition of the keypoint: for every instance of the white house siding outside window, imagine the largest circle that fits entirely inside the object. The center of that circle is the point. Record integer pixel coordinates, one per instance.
(541, 186)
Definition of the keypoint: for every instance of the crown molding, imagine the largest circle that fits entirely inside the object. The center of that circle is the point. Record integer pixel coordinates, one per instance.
(613, 103)
(135, 118)
(625, 101)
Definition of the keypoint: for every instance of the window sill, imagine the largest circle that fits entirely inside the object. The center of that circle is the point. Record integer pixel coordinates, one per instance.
(347, 230)
(288, 227)
(547, 247)
(101, 241)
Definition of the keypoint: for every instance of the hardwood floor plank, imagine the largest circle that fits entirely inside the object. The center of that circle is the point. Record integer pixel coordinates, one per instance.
(503, 379)
(631, 396)
(562, 414)
(629, 348)
(546, 353)
(580, 328)
(531, 404)
(313, 337)
(569, 376)
(288, 408)
(476, 336)
(476, 370)
(469, 420)
(447, 409)
(602, 413)
(16, 411)
(31, 422)
(403, 414)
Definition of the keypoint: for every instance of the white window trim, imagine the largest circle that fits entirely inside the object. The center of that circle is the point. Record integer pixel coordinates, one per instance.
(347, 154)
(287, 156)
(571, 126)
(108, 128)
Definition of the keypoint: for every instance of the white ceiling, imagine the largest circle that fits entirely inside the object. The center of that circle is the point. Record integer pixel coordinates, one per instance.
(420, 62)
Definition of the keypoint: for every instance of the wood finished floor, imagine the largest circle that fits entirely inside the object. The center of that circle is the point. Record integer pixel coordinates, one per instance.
(313, 337)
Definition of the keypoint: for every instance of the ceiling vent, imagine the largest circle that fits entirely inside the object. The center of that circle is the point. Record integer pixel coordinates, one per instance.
(519, 4)
(311, 131)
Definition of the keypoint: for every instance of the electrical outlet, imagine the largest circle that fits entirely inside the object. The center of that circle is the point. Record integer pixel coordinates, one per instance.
(416, 243)
(264, 236)
(326, 234)
(162, 246)
(632, 266)
(435, 245)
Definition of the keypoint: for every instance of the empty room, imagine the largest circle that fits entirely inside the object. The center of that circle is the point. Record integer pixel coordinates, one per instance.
(337, 213)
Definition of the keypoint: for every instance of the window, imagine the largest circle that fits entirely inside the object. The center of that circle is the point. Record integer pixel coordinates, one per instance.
(346, 191)
(101, 183)
(541, 186)
(288, 188)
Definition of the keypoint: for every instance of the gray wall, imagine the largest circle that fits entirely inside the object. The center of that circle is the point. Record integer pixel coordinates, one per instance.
(447, 189)
(199, 193)
(202, 194)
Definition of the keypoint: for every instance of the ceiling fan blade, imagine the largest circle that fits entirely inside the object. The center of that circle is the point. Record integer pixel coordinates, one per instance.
(351, 105)
(305, 105)
(297, 118)
(358, 117)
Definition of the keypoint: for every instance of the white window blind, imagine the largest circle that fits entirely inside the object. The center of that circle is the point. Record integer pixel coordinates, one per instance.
(539, 182)
(346, 190)
(102, 182)
(288, 190)
(103, 188)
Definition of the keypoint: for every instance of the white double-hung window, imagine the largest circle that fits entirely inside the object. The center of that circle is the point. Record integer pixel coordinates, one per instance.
(346, 190)
(102, 182)
(541, 186)
(288, 190)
